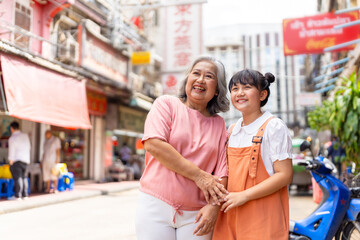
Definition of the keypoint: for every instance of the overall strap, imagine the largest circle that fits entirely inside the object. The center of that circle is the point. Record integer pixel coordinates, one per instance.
(231, 129)
(255, 149)
(227, 144)
(228, 136)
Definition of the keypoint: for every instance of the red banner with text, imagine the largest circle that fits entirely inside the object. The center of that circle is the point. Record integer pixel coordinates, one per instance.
(310, 35)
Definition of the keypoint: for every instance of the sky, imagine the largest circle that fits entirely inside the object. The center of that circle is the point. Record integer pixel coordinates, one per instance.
(225, 12)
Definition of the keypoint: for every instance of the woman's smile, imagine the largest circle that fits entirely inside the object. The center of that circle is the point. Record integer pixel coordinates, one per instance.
(199, 88)
(201, 85)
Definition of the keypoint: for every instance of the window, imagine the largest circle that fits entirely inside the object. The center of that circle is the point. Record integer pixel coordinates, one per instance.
(267, 39)
(235, 57)
(211, 51)
(22, 20)
(277, 39)
(223, 54)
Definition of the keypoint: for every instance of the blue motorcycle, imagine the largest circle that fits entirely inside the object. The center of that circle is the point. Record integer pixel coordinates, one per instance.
(337, 215)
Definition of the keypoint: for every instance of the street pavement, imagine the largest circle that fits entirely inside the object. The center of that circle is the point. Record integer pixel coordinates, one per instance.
(104, 211)
(301, 205)
(82, 189)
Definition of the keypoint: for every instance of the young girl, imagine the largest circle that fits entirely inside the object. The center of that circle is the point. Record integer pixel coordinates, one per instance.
(260, 166)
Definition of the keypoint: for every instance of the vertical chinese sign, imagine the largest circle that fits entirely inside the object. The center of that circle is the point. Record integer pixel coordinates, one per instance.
(183, 43)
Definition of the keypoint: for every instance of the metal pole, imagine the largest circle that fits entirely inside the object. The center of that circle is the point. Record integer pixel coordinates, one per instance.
(347, 10)
(349, 24)
(344, 60)
(329, 49)
(287, 91)
(3, 95)
(325, 89)
(348, 3)
(321, 77)
(326, 83)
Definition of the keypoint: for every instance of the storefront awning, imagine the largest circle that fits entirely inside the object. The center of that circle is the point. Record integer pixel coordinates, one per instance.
(37, 94)
(141, 103)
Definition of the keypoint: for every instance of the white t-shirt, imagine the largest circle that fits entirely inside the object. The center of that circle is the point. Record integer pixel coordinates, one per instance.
(276, 143)
(19, 147)
(50, 147)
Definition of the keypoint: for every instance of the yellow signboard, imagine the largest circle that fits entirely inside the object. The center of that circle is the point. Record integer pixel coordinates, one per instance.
(139, 58)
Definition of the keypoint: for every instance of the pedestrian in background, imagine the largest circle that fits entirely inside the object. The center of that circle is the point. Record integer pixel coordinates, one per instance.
(125, 154)
(19, 158)
(337, 154)
(260, 166)
(50, 158)
(185, 139)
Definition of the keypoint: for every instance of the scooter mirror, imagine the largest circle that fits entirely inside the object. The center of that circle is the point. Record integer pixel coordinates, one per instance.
(305, 145)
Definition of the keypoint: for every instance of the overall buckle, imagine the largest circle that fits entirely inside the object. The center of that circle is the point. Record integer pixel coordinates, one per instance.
(257, 139)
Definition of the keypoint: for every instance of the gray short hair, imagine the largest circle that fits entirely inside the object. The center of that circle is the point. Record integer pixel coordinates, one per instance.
(219, 103)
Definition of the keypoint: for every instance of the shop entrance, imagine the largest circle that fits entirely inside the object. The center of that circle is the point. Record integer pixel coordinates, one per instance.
(73, 150)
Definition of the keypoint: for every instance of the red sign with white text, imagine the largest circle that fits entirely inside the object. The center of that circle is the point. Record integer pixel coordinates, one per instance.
(310, 35)
(97, 104)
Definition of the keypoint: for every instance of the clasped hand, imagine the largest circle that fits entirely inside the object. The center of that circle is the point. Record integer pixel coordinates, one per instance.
(210, 185)
(233, 199)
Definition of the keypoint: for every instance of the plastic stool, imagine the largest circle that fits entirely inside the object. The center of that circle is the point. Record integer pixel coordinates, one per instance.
(66, 181)
(7, 187)
(69, 181)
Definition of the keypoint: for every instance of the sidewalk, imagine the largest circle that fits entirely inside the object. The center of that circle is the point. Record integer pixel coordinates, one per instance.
(81, 190)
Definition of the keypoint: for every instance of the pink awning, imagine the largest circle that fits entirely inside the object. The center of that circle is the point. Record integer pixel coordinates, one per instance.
(37, 94)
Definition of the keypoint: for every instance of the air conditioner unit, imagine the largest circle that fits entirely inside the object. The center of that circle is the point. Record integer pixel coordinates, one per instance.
(138, 83)
(158, 89)
(69, 50)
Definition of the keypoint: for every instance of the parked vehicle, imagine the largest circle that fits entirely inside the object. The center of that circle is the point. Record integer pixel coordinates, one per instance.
(337, 215)
(301, 176)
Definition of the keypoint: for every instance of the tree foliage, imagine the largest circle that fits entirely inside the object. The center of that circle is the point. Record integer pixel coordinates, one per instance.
(341, 116)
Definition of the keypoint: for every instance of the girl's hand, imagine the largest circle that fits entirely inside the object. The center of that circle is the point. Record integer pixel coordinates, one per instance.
(206, 218)
(211, 187)
(234, 199)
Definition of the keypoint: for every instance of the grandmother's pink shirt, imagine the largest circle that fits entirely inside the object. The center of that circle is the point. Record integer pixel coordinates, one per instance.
(199, 139)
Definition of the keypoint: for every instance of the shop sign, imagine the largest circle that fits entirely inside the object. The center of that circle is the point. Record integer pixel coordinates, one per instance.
(132, 120)
(183, 38)
(101, 58)
(310, 35)
(140, 58)
(309, 99)
(97, 104)
(171, 82)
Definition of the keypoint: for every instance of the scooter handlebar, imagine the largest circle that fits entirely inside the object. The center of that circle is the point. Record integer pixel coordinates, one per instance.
(303, 164)
(311, 165)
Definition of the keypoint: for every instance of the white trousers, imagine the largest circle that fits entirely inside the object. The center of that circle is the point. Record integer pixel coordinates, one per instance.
(154, 221)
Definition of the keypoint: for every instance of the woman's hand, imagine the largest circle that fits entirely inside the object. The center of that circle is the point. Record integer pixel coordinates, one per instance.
(211, 187)
(206, 218)
(234, 199)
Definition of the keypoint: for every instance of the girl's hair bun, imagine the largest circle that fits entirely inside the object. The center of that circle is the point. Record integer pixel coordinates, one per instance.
(270, 77)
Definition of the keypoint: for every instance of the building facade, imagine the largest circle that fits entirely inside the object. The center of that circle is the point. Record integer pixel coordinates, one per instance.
(76, 56)
(259, 47)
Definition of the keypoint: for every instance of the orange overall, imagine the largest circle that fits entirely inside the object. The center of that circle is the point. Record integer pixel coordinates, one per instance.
(266, 218)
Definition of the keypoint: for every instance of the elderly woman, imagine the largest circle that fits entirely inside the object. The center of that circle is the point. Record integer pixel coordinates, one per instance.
(186, 170)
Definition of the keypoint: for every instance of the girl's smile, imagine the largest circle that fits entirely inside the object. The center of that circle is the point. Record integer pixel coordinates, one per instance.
(245, 97)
